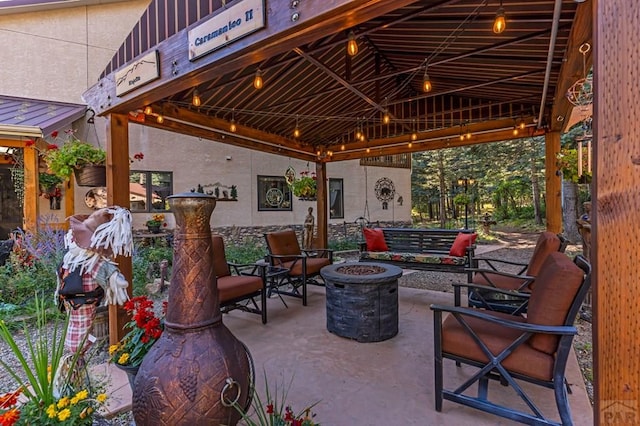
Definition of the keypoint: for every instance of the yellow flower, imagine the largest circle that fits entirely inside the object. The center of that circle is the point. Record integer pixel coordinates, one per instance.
(51, 411)
(113, 349)
(123, 358)
(63, 402)
(75, 400)
(102, 397)
(83, 394)
(64, 414)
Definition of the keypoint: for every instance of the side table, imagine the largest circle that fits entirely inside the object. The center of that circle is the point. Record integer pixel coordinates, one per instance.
(273, 276)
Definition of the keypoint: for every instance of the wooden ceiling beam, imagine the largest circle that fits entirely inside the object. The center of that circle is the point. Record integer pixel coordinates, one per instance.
(574, 66)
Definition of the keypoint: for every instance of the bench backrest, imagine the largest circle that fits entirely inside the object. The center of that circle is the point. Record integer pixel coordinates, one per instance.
(413, 240)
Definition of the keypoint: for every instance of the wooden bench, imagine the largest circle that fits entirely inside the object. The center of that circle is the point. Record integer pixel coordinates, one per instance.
(423, 249)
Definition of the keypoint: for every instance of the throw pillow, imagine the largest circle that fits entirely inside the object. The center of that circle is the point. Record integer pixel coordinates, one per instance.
(375, 239)
(459, 247)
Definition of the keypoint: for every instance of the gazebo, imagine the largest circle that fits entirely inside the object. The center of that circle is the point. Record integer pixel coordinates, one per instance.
(347, 79)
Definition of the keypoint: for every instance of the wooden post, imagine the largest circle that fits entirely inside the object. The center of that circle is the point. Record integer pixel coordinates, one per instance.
(553, 183)
(118, 195)
(616, 213)
(30, 205)
(321, 196)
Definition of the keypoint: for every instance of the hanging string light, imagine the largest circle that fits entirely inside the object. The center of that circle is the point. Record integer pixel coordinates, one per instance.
(385, 117)
(257, 80)
(499, 23)
(426, 81)
(515, 131)
(414, 135)
(195, 100)
(352, 44)
(160, 119)
(522, 124)
(232, 126)
(148, 110)
(296, 131)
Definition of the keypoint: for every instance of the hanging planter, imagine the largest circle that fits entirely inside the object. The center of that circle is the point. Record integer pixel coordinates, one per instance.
(92, 175)
(305, 187)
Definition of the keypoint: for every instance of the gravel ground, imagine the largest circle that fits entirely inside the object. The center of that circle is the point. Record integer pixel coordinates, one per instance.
(517, 247)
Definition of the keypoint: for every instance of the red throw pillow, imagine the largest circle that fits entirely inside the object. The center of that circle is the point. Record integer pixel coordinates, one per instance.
(459, 247)
(375, 239)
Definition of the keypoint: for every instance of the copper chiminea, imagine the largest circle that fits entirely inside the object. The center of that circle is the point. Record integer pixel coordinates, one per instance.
(198, 367)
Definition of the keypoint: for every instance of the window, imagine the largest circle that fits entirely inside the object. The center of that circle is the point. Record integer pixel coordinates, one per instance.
(273, 194)
(336, 199)
(148, 191)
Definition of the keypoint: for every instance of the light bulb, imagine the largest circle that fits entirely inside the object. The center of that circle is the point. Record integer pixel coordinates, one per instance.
(468, 135)
(148, 110)
(414, 136)
(232, 126)
(426, 83)
(385, 118)
(160, 119)
(409, 144)
(342, 147)
(257, 80)
(499, 23)
(461, 137)
(196, 101)
(522, 125)
(296, 132)
(515, 131)
(352, 44)
(368, 150)
(358, 134)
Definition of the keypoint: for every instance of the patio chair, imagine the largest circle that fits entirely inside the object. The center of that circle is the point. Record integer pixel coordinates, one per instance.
(303, 265)
(509, 348)
(239, 290)
(489, 274)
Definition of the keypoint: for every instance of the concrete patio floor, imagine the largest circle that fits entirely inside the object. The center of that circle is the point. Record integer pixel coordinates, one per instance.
(384, 383)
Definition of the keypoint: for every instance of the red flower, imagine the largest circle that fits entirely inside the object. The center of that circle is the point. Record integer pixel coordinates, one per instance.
(54, 134)
(138, 156)
(9, 399)
(52, 146)
(269, 408)
(10, 417)
(288, 414)
(30, 142)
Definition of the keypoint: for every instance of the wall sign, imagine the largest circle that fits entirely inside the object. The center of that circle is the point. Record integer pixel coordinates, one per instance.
(138, 73)
(229, 25)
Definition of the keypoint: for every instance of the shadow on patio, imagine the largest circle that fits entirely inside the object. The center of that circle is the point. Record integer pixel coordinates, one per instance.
(383, 383)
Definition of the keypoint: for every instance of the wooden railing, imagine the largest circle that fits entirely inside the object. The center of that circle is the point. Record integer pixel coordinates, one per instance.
(400, 161)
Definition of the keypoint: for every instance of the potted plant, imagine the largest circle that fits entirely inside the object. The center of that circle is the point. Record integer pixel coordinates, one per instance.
(84, 160)
(154, 224)
(304, 187)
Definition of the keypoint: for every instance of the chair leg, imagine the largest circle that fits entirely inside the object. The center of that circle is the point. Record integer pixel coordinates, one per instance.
(562, 403)
(304, 290)
(263, 301)
(437, 357)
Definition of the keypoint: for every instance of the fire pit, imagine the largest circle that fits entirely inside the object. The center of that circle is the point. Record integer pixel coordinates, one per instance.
(362, 300)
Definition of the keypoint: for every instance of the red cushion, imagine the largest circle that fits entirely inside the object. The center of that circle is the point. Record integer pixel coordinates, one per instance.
(459, 247)
(375, 239)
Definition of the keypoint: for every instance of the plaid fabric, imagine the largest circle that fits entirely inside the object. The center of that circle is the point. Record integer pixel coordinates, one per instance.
(413, 257)
(81, 319)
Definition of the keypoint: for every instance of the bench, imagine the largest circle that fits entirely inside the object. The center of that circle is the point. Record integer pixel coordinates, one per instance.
(423, 249)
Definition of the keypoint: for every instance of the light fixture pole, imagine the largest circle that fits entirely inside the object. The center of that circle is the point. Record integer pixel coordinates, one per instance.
(466, 182)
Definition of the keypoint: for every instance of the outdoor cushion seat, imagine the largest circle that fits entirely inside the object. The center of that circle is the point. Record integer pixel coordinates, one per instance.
(432, 258)
(510, 348)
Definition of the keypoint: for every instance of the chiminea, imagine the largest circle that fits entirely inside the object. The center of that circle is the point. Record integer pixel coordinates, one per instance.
(198, 367)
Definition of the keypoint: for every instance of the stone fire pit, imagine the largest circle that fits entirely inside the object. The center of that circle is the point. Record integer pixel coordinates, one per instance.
(362, 300)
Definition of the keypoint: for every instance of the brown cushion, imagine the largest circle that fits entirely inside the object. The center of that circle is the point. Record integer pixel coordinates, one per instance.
(220, 265)
(232, 287)
(524, 360)
(548, 242)
(499, 281)
(283, 243)
(556, 286)
(314, 264)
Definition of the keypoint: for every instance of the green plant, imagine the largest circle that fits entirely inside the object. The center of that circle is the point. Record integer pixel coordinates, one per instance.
(39, 404)
(275, 411)
(248, 252)
(48, 181)
(305, 185)
(73, 154)
(144, 329)
(157, 219)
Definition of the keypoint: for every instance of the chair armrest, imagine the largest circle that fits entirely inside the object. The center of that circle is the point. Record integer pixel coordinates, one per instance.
(486, 273)
(317, 252)
(522, 326)
(511, 293)
(491, 260)
(248, 269)
(279, 259)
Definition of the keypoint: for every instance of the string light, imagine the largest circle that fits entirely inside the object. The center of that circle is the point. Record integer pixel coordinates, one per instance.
(342, 147)
(148, 110)
(410, 144)
(426, 82)
(368, 150)
(468, 135)
(160, 119)
(522, 125)
(414, 136)
(232, 126)
(515, 131)
(257, 80)
(499, 24)
(296, 131)
(195, 100)
(385, 117)
(352, 44)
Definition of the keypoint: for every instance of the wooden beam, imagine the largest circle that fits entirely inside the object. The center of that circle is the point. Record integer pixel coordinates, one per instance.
(574, 66)
(182, 120)
(553, 183)
(118, 195)
(323, 206)
(317, 19)
(31, 204)
(616, 214)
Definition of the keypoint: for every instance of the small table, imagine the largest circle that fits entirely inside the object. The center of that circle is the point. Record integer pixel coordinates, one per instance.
(273, 274)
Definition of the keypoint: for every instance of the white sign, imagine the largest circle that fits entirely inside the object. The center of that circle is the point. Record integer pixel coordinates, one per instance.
(137, 74)
(229, 25)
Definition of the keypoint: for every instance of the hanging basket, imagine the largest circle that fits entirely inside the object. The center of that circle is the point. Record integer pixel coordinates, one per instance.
(91, 176)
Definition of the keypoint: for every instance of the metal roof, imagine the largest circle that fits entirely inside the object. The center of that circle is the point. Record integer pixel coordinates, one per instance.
(36, 118)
